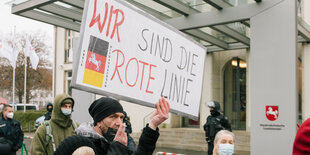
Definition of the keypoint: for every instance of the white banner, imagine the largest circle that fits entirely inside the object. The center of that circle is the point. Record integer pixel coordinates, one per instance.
(133, 56)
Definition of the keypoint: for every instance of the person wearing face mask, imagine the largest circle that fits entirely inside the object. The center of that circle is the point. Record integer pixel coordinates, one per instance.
(49, 135)
(11, 134)
(49, 108)
(224, 143)
(215, 123)
(108, 130)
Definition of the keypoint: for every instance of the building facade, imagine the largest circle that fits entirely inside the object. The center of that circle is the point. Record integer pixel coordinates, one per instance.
(225, 80)
(227, 71)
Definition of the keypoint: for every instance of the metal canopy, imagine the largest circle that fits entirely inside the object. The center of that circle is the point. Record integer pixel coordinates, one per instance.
(217, 24)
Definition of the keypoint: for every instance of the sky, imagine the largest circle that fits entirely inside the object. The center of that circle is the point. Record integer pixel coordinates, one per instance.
(22, 24)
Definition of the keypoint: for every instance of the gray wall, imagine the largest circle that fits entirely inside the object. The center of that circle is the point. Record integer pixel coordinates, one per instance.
(273, 79)
(82, 100)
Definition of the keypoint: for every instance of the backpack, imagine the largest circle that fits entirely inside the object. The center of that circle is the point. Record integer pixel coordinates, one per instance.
(49, 135)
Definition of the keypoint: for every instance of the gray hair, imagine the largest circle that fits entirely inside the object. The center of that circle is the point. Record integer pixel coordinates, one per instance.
(85, 150)
(221, 133)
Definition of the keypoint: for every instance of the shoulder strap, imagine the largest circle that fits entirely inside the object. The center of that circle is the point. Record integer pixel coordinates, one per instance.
(49, 135)
(74, 125)
(48, 131)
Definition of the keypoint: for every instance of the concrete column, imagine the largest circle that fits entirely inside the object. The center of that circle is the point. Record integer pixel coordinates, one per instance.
(248, 92)
(207, 90)
(59, 60)
(306, 11)
(273, 79)
(306, 66)
(306, 82)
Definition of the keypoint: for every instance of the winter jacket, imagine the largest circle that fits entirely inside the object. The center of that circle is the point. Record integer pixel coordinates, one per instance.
(61, 127)
(147, 142)
(11, 130)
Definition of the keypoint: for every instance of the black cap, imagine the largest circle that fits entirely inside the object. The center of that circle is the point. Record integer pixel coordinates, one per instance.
(103, 108)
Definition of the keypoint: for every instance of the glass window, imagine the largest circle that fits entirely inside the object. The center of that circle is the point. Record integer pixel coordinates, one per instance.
(69, 47)
(68, 82)
(299, 7)
(235, 93)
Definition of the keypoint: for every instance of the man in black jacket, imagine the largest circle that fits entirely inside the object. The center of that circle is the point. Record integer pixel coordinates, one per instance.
(108, 131)
(215, 123)
(10, 130)
(49, 108)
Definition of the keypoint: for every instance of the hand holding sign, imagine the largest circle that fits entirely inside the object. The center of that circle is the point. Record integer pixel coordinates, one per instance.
(161, 113)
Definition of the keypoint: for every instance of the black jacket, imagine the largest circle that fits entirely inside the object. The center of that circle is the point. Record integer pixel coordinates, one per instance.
(147, 141)
(48, 115)
(214, 124)
(11, 130)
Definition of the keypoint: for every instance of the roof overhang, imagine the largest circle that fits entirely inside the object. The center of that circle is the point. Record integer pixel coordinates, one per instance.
(68, 14)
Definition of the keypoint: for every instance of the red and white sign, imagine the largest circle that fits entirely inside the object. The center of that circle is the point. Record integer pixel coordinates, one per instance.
(272, 112)
(128, 54)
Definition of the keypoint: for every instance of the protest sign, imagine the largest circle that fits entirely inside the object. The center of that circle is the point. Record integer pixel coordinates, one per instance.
(130, 55)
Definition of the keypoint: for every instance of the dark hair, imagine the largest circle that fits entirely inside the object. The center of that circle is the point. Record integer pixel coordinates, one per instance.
(5, 106)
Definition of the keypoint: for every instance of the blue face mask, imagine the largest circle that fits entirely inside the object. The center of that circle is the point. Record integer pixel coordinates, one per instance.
(66, 112)
(226, 149)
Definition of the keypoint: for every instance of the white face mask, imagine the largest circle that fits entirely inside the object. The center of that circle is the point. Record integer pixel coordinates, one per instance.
(226, 149)
(66, 111)
(10, 115)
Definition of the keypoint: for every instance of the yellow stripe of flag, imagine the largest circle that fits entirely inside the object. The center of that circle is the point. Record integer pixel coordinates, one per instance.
(93, 78)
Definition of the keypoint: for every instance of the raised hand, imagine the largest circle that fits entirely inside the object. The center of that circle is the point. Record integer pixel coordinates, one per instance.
(121, 135)
(161, 114)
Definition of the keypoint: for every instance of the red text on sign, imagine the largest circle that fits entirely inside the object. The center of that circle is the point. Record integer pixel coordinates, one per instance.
(133, 62)
(117, 23)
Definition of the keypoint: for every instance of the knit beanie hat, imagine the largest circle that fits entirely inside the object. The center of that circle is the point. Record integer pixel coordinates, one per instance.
(70, 144)
(67, 101)
(104, 107)
(302, 140)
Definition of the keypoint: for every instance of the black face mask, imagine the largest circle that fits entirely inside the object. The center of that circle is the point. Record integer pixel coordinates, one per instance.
(50, 109)
(110, 134)
(212, 112)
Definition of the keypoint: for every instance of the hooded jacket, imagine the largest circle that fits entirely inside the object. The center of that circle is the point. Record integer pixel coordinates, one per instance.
(61, 126)
(302, 139)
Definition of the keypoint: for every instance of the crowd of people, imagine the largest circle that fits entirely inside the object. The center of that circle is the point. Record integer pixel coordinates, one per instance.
(109, 133)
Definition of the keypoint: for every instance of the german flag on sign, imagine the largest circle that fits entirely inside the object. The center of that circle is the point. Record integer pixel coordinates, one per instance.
(95, 62)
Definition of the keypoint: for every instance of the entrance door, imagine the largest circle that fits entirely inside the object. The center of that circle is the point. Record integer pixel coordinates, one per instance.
(235, 93)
